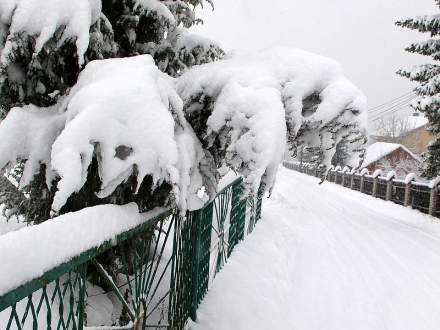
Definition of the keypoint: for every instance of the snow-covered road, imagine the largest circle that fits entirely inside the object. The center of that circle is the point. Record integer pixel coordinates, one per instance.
(328, 258)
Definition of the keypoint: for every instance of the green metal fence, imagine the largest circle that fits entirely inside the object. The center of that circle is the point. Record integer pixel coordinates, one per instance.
(160, 272)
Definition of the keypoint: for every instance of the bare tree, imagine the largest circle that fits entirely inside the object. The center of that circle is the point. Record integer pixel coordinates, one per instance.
(393, 126)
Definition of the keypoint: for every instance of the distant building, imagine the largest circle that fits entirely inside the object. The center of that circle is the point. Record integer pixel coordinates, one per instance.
(416, 138)
(389, 156)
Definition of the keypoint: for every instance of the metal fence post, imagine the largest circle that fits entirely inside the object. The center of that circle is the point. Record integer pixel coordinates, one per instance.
(82, 296)
(352, 178)
(433, 185)
(374, 193)
(376, 175)
(391, 175)
(409, 178)
(433, 201)
(201, 241)
(237, 217)
(361, 186)
(406, 201)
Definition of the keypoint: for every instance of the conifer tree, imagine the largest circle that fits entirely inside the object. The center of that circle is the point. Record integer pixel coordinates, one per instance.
(428, 78)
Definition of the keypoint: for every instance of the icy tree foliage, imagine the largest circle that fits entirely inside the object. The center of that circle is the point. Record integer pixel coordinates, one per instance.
(428, 77)
(243, 107)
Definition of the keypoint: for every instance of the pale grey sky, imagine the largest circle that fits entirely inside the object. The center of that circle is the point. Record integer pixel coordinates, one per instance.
(359, 34)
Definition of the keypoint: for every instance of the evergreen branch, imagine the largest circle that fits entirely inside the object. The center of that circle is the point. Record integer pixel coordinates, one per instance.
(429, 47)
(420, 73)
(428, 23)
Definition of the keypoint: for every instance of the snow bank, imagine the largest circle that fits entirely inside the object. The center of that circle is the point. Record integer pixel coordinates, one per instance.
(256, 94)
(124, 110)
(43, 18)
(27, 249)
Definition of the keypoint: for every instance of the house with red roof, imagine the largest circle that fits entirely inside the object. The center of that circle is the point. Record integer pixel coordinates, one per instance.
(389, 156)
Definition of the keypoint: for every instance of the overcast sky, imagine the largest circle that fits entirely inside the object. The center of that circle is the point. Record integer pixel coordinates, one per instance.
(359, 34)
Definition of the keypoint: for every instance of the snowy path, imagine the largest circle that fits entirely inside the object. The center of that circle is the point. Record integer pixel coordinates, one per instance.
(327, 258)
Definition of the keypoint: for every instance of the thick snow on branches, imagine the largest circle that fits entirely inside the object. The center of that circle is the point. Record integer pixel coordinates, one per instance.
(43, 18)
(127, 113)
(238, 112)
(250, 101)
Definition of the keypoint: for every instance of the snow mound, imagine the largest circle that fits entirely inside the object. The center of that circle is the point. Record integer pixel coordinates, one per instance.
(43, 18)
(124, 111)
(259, 97)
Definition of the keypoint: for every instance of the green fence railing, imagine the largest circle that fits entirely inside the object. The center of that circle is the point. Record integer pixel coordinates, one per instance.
(160, 271)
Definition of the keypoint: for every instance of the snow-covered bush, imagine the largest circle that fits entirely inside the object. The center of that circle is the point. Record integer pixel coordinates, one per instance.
(243, 107)
(124, 112)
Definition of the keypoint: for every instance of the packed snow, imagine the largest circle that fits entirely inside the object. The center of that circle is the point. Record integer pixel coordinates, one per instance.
(256, 94)
(326, 257)
(43, 18)
(65, 237)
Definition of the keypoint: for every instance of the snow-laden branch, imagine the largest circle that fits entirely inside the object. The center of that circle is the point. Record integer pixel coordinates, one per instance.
(244, 106)
(123, 111)
(43, 18)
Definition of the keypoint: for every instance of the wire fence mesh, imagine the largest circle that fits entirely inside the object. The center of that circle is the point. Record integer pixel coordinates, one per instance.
(159, 271)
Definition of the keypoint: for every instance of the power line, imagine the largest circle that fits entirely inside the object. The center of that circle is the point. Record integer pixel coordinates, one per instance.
(391, 110)
(392, 102)
(394, 106)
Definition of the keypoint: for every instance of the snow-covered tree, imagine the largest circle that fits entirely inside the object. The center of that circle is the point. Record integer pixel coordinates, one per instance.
(123, 130)
(428, 77)
(44, 45)
(246, 107)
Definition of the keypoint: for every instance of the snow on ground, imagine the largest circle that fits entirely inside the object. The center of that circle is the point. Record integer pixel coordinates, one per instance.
(328, 258)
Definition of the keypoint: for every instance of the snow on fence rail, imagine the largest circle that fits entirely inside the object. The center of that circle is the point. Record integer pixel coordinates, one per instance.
(421, 196)
(49, 277)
